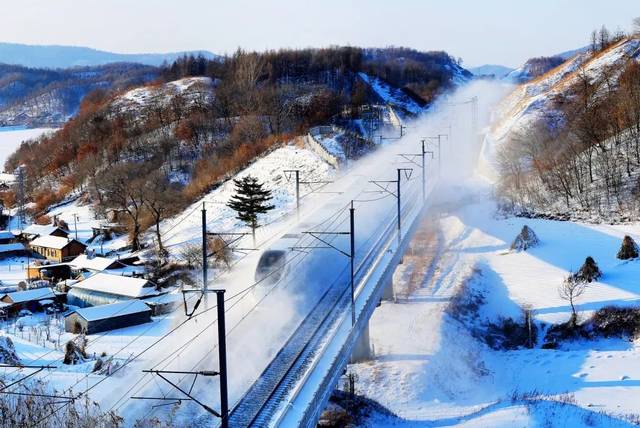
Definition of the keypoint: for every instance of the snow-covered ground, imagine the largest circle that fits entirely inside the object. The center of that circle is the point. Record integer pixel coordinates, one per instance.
(428, 367)
(186, 228)
(390, 95)
(535, 100)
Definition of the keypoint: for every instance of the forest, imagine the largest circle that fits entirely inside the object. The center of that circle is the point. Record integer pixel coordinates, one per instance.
(184, 144)
(585, 157)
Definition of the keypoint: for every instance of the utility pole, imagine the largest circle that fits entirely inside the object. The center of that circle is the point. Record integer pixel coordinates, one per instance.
(296, 172)
(21, 196)
(319, 236)
(222, 357)
(398, 201)
(352, 253)
(204, 250)
(439, 138)
(297, 175)
(187, 395)
(397, 195)
(75, 224)
(410, 157)
(424, 174)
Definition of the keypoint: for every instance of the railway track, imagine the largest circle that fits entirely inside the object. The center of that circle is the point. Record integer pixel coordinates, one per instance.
(260, 403)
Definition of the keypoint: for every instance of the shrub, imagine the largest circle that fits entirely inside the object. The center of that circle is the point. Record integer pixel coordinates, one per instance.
(628, 249)
(615, 321)
(589, 271)
(525, 239)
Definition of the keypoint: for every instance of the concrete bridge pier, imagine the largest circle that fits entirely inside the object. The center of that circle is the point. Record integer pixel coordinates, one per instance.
(387, 293)
(362, 350)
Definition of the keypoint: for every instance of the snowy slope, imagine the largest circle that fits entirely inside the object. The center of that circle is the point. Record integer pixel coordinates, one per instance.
(194, 89)
(269, 170)
(430, 369)
(534, 100)
(390, 94)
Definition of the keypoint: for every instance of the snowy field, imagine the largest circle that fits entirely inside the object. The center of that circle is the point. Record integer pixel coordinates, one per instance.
(429, 369)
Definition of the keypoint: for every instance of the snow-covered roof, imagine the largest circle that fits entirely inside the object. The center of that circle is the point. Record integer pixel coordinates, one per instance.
(30, 295)
(96, 263)
(118, 285)
(5, 248)
(50, 241)
(41, 229)
(5, 234)
(111, 310)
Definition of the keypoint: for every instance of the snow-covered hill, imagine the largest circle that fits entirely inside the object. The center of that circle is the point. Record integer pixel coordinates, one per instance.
(533, 101)
(192, 89)
(498, 71)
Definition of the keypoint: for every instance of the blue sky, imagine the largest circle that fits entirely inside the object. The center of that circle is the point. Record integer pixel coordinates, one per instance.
(479, 31)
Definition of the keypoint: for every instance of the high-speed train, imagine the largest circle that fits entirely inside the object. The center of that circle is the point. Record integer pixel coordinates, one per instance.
(306, 266)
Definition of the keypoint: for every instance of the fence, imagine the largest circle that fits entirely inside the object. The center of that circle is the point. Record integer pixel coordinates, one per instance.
(311, 140)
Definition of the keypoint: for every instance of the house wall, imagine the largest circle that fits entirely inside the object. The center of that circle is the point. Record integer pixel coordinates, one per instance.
(113, 323)
(72, 250)
(48, 253)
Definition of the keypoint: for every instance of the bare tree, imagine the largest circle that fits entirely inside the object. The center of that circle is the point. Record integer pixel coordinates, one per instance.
(570, 290)
(161, 199)
(123, 187)
(635, 25)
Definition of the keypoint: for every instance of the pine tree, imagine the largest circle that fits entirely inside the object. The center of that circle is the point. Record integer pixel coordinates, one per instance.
(628, 249)
(589, 271)
(251, 199)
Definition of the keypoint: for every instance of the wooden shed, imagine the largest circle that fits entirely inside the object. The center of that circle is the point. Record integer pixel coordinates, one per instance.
(97, 319)
(32, 300)
(36, 230)
(57, 248)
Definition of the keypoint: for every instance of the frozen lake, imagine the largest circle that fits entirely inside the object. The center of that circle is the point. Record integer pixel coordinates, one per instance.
(12, 136)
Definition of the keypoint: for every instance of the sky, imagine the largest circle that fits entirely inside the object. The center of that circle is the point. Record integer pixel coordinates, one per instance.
(505, 32)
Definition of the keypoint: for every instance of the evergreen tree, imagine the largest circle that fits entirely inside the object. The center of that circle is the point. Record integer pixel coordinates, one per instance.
(628, 249)
(589, 271)
(251, 199)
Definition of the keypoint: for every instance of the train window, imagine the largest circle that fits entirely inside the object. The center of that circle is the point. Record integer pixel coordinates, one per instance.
(269, 262)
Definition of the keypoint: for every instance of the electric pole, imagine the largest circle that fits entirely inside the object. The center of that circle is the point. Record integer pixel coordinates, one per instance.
(410, 157)
(204, 250)
(397, 195)
(75, 224)
(320, 236)
(222, 357)
(296, 173)
(352, 253)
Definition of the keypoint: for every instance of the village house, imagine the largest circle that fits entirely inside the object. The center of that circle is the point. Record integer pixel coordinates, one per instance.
(57, 248)
(37, 230)
(8, 245)
(97, 319)
(32, 300)
(6, 237)
(92, 263)
(103, 288)
(48, 271)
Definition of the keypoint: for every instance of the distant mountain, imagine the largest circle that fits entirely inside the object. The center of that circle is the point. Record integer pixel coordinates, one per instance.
(498, 71)
(568, 54)
(41, 56)
(45, 97)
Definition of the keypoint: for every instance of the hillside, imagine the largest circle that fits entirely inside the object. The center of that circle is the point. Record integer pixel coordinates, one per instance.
(54, 57)
(202, 121)
(568, 139)
(35, 97)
